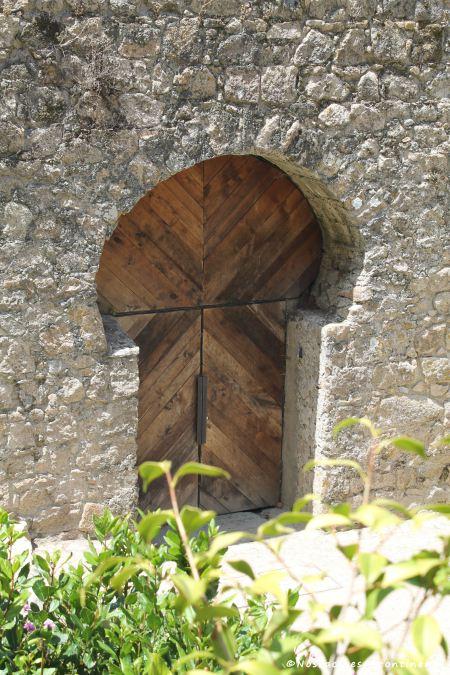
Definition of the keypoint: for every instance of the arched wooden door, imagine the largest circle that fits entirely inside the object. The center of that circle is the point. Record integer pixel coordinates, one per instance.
(198, 274)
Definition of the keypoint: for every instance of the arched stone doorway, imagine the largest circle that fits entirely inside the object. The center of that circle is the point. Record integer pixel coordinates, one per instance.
(201, 274)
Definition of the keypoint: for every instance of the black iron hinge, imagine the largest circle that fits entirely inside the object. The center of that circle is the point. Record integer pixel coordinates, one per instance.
(202, 408)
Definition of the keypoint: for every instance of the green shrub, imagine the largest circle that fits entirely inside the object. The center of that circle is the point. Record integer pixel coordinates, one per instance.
(139, 606)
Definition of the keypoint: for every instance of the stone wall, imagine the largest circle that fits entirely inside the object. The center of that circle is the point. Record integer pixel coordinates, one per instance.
(102, 99)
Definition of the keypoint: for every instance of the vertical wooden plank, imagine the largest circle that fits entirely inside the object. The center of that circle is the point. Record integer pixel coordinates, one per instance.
(243, 352)
(169, 365)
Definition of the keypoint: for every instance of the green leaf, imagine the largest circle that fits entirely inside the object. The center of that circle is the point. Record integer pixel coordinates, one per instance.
(242, 566)
(120, 578)
(193, 518)
(371, 566)
(156, 666)
(360, 634)
(325, 520)
(426, 635)
(292, 518)
(198, 469)
(191, 590)
(223, 642)
(270, 583)
(408, 444)
(408, 569)
(438, 508)
(395, 506)
(353, 421)
(41, 562)
(300, 503)
(104, 566)
(150, 525)
(215, 612)
(279, 621)
(373, 599)
(349, 550)
(445, 440)
(250, 667)
(350, 463)
(272, 528)
(150, 471)
(375, 516)
(222, 541)
(193, 656)
(106, 648)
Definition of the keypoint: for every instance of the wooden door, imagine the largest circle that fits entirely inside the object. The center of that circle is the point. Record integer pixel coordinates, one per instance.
(243, 360)
(169, 364)
(198, 273)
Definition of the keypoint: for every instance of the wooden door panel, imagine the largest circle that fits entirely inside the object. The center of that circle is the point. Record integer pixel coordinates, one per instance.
(156, 251)
(243, 358)
(253, 224)
(232, 229)
(169, 363)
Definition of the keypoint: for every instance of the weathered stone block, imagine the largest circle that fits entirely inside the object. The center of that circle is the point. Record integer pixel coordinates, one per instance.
(90, 510)
(352, 49)
(391, 45)
(287, 30)
(242, 85)
(335, 115)
(196, 82)
(316, 48)
(368, 87)
(436, 370)
(278, 85)
(17, 218)
(327, 88)
(141, 110)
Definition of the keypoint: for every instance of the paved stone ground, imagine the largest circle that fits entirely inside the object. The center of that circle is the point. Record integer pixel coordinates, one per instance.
(311, 552)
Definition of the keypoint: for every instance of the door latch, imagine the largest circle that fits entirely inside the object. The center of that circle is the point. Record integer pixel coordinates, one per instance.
(202, 408)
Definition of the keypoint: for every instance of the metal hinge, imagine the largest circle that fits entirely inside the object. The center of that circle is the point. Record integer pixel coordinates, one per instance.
(202, 408)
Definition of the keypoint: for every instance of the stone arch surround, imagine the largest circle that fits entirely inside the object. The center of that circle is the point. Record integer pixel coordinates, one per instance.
(347, 100)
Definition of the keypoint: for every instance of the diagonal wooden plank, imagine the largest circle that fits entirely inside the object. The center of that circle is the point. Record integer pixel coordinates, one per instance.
(119, 287)
(133, 324)
(236, 205)
(163, 331)
(167, 282)
(161, 437)
(259, 487)
(190, 215)
(212, 166)
(241, 245)
(192, 181)
(178, 189)
(224, 360)
(178, 348)
(234, 172)
(246, 434)
(260, 414)
(157, 494)
(286, 236)
(289, 267)
(153, 400)
(246, 353)
(157, 232)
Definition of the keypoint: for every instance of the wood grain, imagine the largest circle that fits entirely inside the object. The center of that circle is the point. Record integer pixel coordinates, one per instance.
(243, 358)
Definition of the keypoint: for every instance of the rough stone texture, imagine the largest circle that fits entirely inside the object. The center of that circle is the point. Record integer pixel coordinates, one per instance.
(101, 100)
(303, 347)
